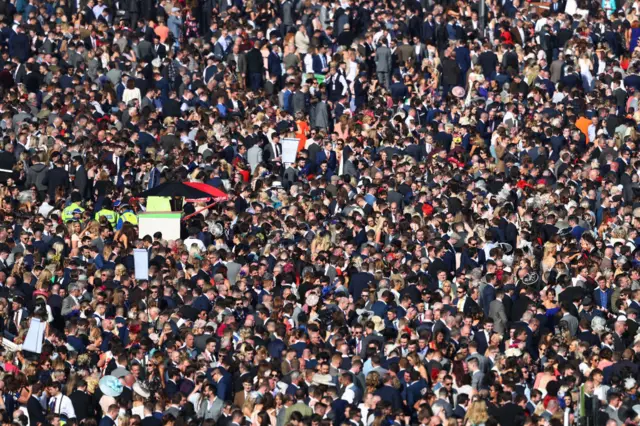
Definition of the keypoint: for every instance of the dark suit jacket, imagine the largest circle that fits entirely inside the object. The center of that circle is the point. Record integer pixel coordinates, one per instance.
(255, 62)
(57, 177)
(488, 295)
(481, 340)
(390, 394)
(82, 405)
(332, 161)
(106, 421)
(151, 421)
(19, 47)
(470, 306)
(81, 183)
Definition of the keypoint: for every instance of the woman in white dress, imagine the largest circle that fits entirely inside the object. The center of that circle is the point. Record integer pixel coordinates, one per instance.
(586, 67)
(474, 75)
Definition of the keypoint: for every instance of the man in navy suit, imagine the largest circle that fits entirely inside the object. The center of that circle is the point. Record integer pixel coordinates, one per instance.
(19, 46)
(602, 295)
(416, 389)
(319, 61)
(461, 408)
(328, 155)
(223, 384)
(110, 416)
(276, 345)
(389, 393)
(488, 293)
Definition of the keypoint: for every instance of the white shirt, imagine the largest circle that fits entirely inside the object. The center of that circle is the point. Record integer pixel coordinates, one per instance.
(349, 395)
(62, 405)
(191, 241)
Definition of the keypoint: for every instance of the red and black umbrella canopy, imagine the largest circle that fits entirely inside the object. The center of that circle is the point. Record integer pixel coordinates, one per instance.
(192, 190)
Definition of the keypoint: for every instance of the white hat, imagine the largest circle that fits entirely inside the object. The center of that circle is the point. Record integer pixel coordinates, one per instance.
(312, 300)
(322, 379)
(621, 318)
(141, 390)
(378, 323)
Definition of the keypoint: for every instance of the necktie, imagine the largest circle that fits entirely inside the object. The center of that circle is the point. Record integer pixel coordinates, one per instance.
(52, 405)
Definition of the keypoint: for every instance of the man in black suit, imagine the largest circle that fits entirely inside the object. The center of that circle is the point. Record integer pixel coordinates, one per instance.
(81, 180)
(461, 408)
(81, 401)
(483, 337)
(255, 67)
(159, 49)
(91, 42)
(7, 161)
(56, 178)
(149, 419)
(19, 72)
(586, 335)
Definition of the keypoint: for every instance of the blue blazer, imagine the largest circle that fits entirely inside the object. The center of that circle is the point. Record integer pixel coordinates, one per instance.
(597, 298)
(332, 161)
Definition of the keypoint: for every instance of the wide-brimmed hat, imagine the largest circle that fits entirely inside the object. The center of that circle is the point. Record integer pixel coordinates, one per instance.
(141, 390)
(378, 323)
(110, 386)
(458, 92)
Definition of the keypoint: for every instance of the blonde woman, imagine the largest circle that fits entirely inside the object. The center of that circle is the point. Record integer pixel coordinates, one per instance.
(477, 414)
(549, 256)
(321, 242)
(416, 363)
(75, 231)
(44, 280)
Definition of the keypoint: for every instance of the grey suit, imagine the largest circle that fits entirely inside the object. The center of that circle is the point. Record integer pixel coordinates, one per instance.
(233, 269)
(145, 50)
(555, 70)
(498, 315)
(446, 406)
(613, 414)
(99, 243)
(241, 61)
(350, 169)
(321, 116)
(67, 305)
(212, 411)
(383, 65)
(114, 75)
(476, 380)
(572, 322)
(287, 13)
(483, 362)
(92, 68)
(290, 177)
(298, 101)
(254, 156)
(172, 411)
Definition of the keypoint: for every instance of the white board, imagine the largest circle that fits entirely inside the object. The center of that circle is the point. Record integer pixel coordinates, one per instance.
(167, 223)
(289, 149)
(35, 336)
(141, 262)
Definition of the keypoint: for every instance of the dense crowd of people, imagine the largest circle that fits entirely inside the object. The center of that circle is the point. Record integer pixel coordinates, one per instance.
(453, 242)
